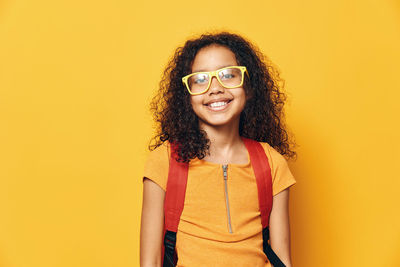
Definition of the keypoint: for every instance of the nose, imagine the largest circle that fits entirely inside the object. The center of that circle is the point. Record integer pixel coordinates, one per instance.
(215, 86)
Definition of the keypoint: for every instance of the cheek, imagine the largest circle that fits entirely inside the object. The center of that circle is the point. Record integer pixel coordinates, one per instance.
(196, 103)
(242, 106)
(192, 102)
(243, 99)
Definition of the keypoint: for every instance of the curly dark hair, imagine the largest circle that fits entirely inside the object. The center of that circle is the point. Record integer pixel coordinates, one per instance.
(262, 118)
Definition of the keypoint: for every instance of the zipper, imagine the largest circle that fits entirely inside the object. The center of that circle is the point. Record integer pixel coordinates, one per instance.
(228, 212)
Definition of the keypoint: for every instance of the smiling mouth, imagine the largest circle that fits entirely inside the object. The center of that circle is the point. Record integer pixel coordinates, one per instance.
(220, 105)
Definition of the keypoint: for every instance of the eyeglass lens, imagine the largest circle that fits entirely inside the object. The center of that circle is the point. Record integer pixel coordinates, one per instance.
(229, 77)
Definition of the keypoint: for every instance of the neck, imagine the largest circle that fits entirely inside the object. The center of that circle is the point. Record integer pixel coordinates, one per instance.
(224, 139)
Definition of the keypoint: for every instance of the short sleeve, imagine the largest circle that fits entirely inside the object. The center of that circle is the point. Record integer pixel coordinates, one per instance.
(282, 177)
(157, 164)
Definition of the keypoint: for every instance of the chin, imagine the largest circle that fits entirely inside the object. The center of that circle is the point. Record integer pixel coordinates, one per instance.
(217, 122)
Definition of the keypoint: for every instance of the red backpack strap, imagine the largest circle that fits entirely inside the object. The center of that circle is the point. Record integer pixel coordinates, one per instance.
(176, 189)
(262, 171)
(173, 205)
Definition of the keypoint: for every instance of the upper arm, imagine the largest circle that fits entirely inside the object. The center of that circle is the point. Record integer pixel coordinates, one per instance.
(279, 226)
(152, 224)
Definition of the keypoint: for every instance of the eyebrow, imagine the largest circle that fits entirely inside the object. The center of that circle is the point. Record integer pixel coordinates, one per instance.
(221, 67)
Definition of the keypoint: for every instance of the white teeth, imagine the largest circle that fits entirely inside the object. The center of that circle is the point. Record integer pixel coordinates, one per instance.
(218, 104)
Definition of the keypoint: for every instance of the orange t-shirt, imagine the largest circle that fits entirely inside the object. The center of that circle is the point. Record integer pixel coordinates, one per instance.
(218, 228)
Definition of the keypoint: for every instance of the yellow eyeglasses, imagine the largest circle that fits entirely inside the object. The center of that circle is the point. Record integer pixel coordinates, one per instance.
(229, 77)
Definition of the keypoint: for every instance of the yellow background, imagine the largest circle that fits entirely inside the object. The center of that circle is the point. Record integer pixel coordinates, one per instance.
(76, 78)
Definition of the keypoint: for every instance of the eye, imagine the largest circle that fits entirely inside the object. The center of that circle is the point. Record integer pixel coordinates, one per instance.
(226, 74)
(200, 78)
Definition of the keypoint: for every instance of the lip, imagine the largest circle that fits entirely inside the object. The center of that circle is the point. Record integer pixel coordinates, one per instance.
(218, 109)
(218, 100)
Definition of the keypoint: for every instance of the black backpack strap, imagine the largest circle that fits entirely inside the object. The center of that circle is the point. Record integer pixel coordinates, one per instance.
(272, 257)
(170, 256)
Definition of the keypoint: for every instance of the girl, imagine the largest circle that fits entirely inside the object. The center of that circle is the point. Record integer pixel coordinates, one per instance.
(216, 90)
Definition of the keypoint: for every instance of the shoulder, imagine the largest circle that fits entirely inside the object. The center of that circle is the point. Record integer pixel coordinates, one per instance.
(157, 165)
(282, 177)
(275, 158)
(160, 153)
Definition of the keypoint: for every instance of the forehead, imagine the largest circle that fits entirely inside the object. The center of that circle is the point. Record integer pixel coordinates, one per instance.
(213, 57)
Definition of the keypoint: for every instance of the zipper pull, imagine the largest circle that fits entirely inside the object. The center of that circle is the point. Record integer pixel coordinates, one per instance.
(225, 170)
